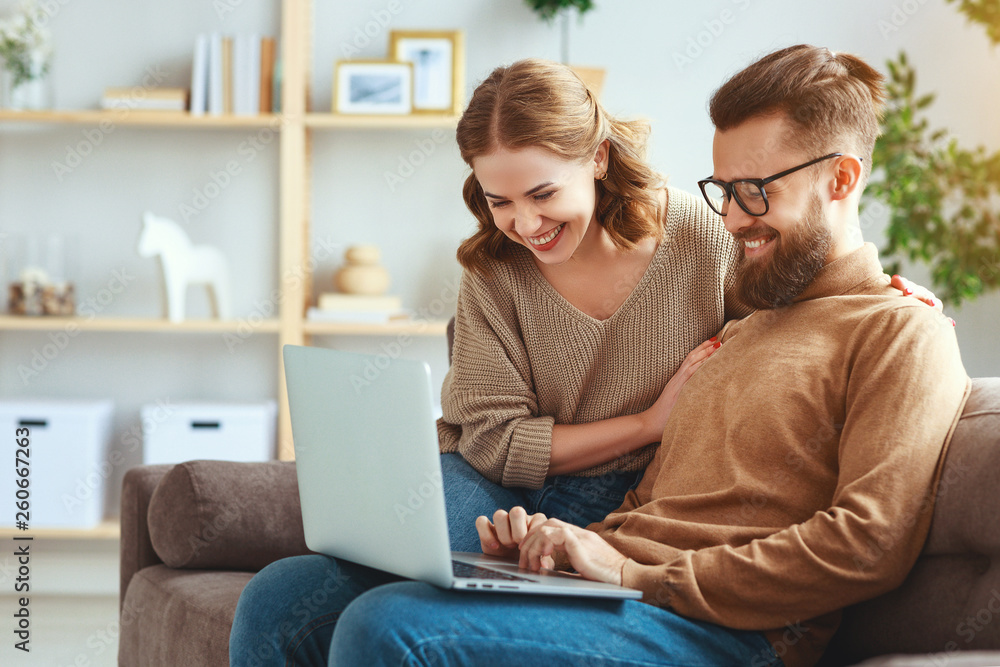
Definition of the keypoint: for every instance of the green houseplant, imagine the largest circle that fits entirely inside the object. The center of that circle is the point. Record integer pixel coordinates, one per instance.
(549, 11)
(942, 197)
(25, 54)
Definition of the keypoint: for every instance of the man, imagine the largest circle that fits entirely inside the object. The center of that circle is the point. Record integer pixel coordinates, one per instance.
(798, 468)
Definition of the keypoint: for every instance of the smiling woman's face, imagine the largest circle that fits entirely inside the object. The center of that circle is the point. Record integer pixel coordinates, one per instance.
(541, 201)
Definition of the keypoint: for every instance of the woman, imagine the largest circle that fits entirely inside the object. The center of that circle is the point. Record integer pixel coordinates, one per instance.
(586, 288)
(588, 294)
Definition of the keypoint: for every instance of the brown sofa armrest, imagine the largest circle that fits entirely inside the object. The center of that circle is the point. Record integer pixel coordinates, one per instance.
(136, 548)
(227, 515)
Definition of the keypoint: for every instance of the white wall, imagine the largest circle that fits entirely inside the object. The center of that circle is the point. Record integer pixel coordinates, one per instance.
(663, 61)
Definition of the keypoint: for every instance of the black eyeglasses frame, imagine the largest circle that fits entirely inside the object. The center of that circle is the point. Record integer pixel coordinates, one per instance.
(731, 193)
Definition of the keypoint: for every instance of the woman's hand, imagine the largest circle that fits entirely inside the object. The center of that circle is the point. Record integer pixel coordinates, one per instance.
(656, 416)
(918, 292)
(587, 551)
(503, 535)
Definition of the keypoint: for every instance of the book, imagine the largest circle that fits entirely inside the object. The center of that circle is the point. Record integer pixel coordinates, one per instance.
(240, 67)
(336, 301)
(216, 99)
(199, 76)
(151, 99)
(356, 316)
(227, 75)
(267, 55)
(251, 71)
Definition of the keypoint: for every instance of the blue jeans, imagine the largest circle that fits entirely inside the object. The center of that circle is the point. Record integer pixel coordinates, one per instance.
(577, 500)
(287, 613)
(315, 610)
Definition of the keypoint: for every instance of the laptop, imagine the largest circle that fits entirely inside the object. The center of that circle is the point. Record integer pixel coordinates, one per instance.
(370, 481)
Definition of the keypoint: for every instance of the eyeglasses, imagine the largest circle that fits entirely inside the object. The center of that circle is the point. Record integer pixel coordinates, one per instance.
(748, 192)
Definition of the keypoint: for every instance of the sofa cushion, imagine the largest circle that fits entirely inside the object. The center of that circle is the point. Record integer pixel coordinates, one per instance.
(222, 514)
(178, 617)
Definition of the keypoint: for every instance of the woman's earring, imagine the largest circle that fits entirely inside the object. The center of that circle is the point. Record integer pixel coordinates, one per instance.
(603, 177)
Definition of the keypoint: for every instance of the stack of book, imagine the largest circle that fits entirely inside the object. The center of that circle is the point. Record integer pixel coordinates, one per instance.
(334, 307)
(233, 75)
(146, 99)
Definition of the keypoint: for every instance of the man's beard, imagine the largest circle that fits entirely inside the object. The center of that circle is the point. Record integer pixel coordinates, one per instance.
(794, 261)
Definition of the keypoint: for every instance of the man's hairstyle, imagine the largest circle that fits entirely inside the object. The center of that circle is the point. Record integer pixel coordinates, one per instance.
(537, 103)
(833, 100)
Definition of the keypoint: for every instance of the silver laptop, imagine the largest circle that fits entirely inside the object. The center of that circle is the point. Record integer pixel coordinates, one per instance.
(370, 480)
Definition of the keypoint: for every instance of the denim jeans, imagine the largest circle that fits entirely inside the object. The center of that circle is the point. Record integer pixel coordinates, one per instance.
(286, 615)
(315, 610)
(577, 500)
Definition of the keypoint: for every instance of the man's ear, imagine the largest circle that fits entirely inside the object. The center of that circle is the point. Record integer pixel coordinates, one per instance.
(846, 177)
(601, 158)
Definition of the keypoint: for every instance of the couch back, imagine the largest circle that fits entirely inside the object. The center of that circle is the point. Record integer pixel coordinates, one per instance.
(951, 599)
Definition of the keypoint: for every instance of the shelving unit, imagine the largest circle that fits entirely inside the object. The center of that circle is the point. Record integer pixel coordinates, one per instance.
(293, 127)
(106, 530)
(127, 324)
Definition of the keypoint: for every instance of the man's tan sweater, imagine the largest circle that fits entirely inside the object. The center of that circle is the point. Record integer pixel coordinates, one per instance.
(798, 469)
(524, 358)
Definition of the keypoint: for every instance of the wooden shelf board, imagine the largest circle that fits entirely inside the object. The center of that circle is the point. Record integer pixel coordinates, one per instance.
(330, 120)
(420, 328)
(129, 324)
(106, 530)
(137, 117)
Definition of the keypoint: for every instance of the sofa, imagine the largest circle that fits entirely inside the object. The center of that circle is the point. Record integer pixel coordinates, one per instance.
(192, 535)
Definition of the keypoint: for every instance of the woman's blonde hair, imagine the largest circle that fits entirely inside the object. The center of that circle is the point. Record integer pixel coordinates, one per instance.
(538, 103)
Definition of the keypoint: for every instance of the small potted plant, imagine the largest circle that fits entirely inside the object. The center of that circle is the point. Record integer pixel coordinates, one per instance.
(25, 57)
(549, 10)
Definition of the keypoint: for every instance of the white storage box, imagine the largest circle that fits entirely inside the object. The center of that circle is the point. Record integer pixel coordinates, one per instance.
(178, 432)
(67, 461)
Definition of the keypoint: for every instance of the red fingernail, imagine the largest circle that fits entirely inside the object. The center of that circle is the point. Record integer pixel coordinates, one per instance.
(712, 339)
(907, 291)
(717, 346)
(952, 321)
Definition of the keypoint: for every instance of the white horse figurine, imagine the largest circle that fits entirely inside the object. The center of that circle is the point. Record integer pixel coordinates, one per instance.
(183, 264)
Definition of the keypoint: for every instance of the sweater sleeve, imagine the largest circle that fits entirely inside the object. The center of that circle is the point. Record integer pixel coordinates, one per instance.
(890, 454)
(490, 410)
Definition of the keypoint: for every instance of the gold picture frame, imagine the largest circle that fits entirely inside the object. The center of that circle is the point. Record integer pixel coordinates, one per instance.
(372, 87)
(438, 58)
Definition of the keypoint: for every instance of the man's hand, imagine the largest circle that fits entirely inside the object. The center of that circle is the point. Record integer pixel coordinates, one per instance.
(588, 553)
(537, 539)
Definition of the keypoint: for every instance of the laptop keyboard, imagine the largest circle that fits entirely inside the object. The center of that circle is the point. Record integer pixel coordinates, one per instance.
(467, 571)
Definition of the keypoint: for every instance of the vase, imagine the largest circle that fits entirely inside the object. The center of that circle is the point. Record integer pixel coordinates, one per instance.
(31, 95)
(362, 273)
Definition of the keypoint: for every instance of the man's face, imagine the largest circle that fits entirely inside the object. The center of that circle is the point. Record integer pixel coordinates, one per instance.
(783, 249)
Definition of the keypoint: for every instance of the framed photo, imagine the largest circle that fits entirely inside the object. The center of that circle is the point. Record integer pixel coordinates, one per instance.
(438, 59)
(373, 87)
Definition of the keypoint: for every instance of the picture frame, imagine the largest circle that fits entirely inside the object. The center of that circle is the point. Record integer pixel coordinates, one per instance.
(373, 87)
(438, 58)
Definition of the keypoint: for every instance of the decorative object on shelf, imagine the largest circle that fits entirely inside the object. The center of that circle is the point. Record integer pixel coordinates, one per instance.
(183, 263)
(361, 272)
(373, 87)
(26, 52)
(357, 308)
(438, 59)
(548, 10)
(39, 275)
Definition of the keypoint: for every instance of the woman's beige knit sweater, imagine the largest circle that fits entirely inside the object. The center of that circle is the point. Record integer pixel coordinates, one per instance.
(525, 359)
